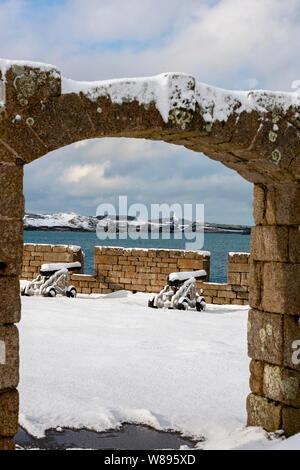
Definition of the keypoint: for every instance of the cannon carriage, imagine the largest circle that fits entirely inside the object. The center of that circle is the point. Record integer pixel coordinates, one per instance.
(180, 292)
(52, 280)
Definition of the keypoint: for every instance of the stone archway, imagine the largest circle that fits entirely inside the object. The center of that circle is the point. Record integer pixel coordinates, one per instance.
(256, 133)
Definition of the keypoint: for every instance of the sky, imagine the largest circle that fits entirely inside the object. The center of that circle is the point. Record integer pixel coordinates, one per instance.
(227, 43)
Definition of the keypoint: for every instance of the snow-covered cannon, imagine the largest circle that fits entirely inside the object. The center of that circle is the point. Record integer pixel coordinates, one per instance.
(180, 292)
(53, 279)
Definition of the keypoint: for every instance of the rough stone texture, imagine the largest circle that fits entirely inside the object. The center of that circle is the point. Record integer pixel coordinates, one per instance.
(274, 338)
(255, 282)
(10, 300)
(265, 339)
(292, 342)
(294, 245)
(283, 204)
(35, 255)
(9, 364)
(270, 243)
(290, 420)
(256, 377)
(245, 142)
(263, 412)
(281, 288)
(50, 120)
(11, 251)
(139, 270)
(7, 443)
(9, 406)
(277, 204)
(259, 204)
(11, 183)
(282, 384)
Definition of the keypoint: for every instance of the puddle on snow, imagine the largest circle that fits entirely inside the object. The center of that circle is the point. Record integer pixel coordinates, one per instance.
(129, 437)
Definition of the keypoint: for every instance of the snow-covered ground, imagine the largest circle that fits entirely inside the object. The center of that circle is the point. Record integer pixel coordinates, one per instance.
(99, 361)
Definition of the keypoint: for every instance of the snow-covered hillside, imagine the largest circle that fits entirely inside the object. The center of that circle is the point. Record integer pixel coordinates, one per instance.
(61, 220)
(74, 222)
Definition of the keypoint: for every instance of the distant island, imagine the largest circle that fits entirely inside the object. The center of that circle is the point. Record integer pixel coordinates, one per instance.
(71, 222)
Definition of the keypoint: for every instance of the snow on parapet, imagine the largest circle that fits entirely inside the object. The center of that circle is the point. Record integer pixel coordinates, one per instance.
(168, 91)
(74, 248)
(6, 64)
(217, 104)
(59, 266)
(199, 252)
(185, 275)
(171, 91)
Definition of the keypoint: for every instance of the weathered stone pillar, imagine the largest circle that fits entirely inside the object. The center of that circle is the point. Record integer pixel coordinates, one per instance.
(274, 318)
(11, 247)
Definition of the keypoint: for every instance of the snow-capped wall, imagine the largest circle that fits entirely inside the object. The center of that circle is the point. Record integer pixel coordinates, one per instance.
(35, 255)
(167, 91)
(141, 270)
(170, 91)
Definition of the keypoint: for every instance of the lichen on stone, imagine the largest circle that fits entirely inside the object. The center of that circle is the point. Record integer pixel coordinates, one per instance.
(290, 387)
(180, 117)
(269, 329)
(42, 77)
(275, 119)
(276, 156)
(23, 101)
(262, 335)
(278, 387)
(30, 121)
(26, 84)
(272, 136)
(18, 69)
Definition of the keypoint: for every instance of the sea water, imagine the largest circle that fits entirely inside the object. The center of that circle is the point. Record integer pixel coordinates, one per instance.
(219, 244)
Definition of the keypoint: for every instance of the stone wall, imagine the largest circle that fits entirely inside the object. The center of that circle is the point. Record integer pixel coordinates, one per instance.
(141, 270)
(137, 269)
(274, 318)
(35, 255)
(11, 250)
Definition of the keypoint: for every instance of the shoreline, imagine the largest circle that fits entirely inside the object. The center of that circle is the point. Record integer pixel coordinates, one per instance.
(71, 229)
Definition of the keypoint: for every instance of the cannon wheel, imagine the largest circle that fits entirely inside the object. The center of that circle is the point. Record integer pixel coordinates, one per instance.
(151, 303)
(72, 292)
(200, 305)
(51, 292)
(182, 305)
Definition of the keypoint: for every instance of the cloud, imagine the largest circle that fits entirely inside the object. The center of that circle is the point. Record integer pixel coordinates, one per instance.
(76, 173)
(115, 20)
(226, 43)
(222, 42)
(218, 42)
(148, 172)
